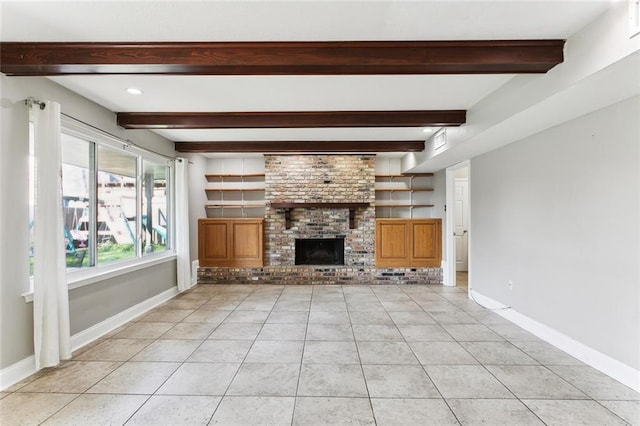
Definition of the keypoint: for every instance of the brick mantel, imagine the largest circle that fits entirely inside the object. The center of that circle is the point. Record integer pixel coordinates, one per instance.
(287, 207)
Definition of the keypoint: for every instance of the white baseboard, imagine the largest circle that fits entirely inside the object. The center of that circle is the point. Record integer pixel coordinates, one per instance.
(194, 272)
(26, 367)
(596, 359)
(16, 372)
(487, 302)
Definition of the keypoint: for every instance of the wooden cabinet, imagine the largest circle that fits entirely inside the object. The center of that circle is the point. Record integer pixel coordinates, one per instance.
(392, 243)
(231, 242)
(408, 242)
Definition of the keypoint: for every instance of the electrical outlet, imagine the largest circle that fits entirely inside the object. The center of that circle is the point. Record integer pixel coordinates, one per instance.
(510, 284)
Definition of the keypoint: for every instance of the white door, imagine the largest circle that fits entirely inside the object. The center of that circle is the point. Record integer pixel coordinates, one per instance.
(461, 220)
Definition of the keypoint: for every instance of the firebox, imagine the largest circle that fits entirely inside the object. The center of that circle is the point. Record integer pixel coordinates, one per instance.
(320, 251)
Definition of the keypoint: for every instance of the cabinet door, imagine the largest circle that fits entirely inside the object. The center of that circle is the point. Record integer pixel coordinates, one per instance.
(214, 243)
(408, 243)
(247, 243)
(392, 238)
(231, 242)
(426, 249)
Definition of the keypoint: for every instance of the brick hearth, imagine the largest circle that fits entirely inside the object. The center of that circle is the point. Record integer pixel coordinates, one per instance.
(319, 275)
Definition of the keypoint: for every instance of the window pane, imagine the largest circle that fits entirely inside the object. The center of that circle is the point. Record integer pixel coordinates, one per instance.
(75, 200)
(154, 207)
(116, 205)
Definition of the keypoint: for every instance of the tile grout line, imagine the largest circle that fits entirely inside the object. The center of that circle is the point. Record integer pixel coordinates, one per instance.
(355, 341)
(207, 338)
(181, 363)
(485, 368)
(177, 368)
(455, 416)
(245, 356)
(174, 371)
(304, 345)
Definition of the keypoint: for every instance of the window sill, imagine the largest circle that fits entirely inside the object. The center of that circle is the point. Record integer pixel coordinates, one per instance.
(77, 279)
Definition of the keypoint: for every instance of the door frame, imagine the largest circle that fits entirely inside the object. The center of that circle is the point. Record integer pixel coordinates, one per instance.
(449, 267)
(465, 237)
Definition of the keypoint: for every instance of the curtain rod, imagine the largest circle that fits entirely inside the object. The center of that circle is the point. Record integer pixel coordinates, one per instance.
(127, 142)
(30, 102)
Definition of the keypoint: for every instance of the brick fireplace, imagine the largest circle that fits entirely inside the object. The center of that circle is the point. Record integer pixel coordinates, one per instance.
(320, 179)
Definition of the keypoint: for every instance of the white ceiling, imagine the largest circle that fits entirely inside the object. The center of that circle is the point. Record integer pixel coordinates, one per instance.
(291, 21)
(286, 93)
(300, 20)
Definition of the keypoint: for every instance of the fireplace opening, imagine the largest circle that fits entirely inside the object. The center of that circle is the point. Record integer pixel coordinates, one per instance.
(320, 251)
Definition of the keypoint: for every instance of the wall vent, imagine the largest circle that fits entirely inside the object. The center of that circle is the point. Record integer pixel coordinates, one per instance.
(440, 139)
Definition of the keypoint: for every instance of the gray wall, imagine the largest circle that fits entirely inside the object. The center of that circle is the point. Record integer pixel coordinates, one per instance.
(89, 305)
(558, 213)
(94, 303)
(16, 317)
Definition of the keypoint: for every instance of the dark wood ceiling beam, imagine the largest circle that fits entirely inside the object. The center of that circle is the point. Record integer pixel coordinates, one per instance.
(300, 146)
(295, 119)
(281, 58)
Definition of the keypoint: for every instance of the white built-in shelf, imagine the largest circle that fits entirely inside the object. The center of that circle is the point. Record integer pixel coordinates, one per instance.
(388, 205)
(235, 206)
(232, 175)
(234, 189)
(405, 175)
(235, 195)
(404, 189)
(398, 195)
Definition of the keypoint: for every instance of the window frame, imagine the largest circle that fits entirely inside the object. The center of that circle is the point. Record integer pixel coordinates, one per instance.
(96, 273)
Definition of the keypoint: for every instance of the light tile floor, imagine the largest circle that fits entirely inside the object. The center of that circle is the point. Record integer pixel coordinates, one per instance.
(315, 355)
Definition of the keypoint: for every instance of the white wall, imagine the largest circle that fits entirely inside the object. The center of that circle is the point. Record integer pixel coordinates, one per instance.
(558, 213)
(251, 163)
(390, 165)
(200, 165)
(89, 305)
(600, 68)
(197, 198)
(439, 199)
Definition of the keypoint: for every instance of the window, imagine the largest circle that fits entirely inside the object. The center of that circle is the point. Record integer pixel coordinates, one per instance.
(117, 225)
(77, 191)
(154, 207)
(115, 200)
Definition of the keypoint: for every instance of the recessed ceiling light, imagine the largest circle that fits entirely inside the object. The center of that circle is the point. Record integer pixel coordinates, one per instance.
(134, 91)
(427, 130)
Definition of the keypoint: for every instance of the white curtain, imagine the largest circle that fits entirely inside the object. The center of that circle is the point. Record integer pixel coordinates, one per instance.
(182, 224)
(50, 292)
